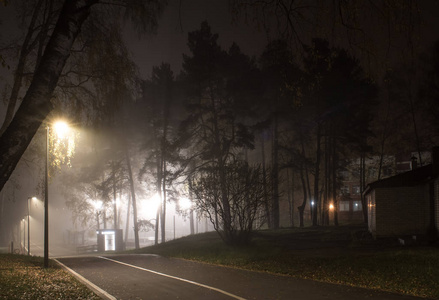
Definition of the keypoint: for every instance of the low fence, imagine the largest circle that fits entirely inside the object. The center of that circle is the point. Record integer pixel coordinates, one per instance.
(86, 249)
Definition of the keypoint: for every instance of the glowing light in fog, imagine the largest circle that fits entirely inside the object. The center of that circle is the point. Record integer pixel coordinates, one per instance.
(61, 129)
(97, 204)
(184, 203)
(148, 207)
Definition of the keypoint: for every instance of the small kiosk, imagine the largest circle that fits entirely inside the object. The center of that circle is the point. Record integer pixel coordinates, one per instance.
(110, 240)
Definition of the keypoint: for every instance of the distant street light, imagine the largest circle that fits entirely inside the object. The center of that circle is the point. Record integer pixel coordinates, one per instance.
(61, 129)
(97, 204)
(24, 233)
(28, 223)
(184, 204)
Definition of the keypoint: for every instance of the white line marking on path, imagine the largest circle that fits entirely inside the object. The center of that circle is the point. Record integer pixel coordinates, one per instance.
(177, 278)
(100, 292)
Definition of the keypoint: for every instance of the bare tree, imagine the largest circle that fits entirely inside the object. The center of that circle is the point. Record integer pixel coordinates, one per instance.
(245, 200)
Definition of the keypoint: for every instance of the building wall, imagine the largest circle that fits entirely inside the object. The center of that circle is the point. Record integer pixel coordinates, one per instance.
(349, 204)
(402, 211)
(350, 210)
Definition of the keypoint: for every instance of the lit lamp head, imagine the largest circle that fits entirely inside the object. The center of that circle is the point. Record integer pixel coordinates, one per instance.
(61, 129)
(97, 204)
(185, 203)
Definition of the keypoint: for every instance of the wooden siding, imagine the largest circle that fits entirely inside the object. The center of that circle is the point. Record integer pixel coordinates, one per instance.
(401, 211)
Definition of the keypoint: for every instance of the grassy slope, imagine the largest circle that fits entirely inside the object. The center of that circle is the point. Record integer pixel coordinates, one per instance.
(333, 254)
(23, 277)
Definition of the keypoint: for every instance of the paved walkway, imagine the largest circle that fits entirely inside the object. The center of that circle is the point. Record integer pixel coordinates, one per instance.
(155, 277)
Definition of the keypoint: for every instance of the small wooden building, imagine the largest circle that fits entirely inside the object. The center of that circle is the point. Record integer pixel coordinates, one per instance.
(405, 204)
(110, 240)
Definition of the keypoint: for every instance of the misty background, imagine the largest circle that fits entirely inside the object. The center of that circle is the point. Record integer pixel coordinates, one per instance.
(118, 106)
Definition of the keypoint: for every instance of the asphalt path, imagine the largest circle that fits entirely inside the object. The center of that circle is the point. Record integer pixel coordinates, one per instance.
(155, 277)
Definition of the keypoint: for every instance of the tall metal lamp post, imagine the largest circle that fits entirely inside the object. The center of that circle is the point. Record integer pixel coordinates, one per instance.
(60, 128)
(28, 223)
(46, 202)
(29, 199)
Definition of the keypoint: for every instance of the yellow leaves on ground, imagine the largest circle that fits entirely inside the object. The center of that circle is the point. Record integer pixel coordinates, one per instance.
(23, 277)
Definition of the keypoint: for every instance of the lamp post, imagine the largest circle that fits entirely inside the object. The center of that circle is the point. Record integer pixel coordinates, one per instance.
(98, 207)
(46, 202)
(24, 234)
(61, 129)
(28, 223)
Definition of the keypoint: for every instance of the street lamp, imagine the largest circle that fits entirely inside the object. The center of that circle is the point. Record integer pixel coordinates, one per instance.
(97, 204)
(61, 129)
(28, 223)
(24, 234)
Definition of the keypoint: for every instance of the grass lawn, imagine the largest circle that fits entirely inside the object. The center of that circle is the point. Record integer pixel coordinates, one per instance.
(329, 254)
(23, 277)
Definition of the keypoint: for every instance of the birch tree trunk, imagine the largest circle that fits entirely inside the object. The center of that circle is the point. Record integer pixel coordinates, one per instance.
(18, 74)
(36, 104)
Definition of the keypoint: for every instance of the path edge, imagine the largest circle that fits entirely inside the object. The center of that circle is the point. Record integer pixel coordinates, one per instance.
(100, 292)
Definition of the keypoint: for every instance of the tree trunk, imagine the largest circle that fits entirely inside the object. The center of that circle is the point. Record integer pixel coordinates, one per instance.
(290, 191)
(363, 184)
(133, 199)
(2, 233)
(305, 180)
(334, 178)
(226, 213)
(191, 221)
(316, 180)
(275, 175)
(384, 137)
(301, 208)
(163, 216)
(18, 74)
(104, 217)
(157, 220)
(36, 104)
(191, 198)
(159, 214)
(415, 127)
(326, 181)
(127, 225)
(114, 194)
(308, 185)
(264, 175)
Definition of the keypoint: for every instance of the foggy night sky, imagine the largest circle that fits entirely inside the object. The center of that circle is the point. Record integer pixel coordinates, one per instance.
(171, 39)
(181, 17)
(170, 42)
